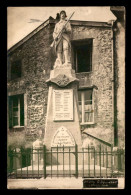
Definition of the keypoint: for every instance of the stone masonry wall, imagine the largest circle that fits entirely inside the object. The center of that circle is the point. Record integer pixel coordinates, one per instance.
(101, 77)
(36, 64)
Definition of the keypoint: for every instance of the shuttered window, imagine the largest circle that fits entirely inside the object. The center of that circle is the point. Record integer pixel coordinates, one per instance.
(86, 106)
(16, 111)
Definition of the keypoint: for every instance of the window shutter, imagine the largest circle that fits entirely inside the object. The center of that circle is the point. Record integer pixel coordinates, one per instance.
(95, 104)
(21, 110)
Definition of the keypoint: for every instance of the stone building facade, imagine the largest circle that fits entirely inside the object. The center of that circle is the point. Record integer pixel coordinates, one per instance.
(29, 65)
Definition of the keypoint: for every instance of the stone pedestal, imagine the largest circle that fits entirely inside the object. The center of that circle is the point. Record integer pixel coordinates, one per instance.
(37, 148)
(62, 121)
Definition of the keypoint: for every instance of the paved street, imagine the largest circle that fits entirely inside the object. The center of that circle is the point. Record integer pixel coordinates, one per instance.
(52, 183)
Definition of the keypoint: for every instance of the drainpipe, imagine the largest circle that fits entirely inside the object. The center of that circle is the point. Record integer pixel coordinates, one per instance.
(114, 86)
(114, 108)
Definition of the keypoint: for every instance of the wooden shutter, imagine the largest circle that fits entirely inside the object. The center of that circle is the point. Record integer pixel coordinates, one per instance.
(95, 91)
(22, 110)
(10, 112)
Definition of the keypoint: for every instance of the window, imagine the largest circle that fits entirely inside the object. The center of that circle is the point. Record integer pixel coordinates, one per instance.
(16, 111)
(15, 69)
(82, 55)
(86, 107)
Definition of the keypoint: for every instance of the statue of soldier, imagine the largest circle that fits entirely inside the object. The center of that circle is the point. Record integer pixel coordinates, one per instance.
(62, 43)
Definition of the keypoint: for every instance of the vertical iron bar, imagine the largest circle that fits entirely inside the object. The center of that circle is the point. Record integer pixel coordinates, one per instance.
(51, 162)
(94, 162)
(32, 162)
(106, 161)
(21, 160)
(10, 153)
(96, 157)
(69, 163)
(83, 160)
(9, 156)
(43, 159)
(118, 160)
(122, 162)
(38, 160)
(15, 163)
(44, 148)
(100, 159)
(103, 157)
(57, 160)
(76, 160)
(27, 161)
(88, 161)
(63, 160)
(112, 160)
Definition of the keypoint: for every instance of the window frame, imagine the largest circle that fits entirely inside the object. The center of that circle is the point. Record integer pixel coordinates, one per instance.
(83, 106)
(79, 43)
(19, 112)
(12, 77)
(18, 105)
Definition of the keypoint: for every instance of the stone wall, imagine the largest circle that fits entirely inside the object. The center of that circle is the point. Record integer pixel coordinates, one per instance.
(101, 77)
(37, 60)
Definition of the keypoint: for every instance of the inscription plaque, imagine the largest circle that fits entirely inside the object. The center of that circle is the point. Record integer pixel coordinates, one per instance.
(100, 183)
(63, 104)
(63, 137)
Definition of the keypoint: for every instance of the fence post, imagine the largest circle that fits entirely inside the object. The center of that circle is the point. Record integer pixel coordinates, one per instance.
(10, 155)
(119, 160)
(44, 149)
(15, 156)
(76, 160)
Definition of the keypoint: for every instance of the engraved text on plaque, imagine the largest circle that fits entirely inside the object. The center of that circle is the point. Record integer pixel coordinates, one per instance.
(63, 104)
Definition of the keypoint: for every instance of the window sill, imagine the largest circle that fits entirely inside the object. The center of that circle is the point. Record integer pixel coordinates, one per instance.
(15, 79)
(90, 123)
(83, 72)
(17, 127)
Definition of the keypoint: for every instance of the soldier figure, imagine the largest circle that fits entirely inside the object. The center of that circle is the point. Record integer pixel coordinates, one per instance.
(62, 43)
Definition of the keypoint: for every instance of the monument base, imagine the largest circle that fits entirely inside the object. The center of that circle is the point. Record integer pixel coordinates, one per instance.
(62, 121)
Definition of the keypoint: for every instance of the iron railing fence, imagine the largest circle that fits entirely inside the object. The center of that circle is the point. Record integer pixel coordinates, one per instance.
(63, 161)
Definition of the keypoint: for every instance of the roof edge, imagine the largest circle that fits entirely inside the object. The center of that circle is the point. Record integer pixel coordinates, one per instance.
(30, 35)
(52, 20)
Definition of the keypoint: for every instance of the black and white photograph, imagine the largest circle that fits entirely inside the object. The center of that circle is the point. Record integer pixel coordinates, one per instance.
(66, 97)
